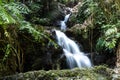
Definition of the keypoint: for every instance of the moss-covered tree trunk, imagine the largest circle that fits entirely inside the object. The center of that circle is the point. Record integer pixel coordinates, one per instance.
(118, 55)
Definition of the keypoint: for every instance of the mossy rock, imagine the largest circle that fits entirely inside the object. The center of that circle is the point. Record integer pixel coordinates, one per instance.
(95, 73)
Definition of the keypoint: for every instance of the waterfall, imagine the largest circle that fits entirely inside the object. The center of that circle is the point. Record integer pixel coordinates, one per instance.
(63, 23)
(67, 17)
(75, 58)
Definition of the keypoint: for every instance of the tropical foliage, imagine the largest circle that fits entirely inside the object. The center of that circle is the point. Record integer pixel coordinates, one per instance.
(105, 17)
(12, 25)
(23, 23)
(110, 29)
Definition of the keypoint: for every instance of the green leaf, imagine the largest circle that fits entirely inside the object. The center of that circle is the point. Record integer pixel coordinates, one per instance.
(111, 31)
(7, 52)
(5, 17)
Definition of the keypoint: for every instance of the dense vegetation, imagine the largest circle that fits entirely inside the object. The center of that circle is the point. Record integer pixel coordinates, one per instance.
(25, 31)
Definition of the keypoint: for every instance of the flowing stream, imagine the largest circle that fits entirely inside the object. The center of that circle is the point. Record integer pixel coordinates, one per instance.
(63, 23)
(75, 58)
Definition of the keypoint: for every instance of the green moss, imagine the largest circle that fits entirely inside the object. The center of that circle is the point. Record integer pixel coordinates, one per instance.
(95, 73)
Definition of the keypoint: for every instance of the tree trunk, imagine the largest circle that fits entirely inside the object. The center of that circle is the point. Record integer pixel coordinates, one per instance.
(118, 55)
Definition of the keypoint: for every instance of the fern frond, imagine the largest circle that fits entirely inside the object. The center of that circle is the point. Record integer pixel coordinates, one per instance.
(17, 9)
(27, 26)
(5, 17)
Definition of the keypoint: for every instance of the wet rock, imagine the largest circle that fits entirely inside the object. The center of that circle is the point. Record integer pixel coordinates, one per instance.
(96, 73)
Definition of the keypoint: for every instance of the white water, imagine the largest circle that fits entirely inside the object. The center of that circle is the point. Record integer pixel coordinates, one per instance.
(63, 23)
(63, 26)
(67, 17)
(75, 58)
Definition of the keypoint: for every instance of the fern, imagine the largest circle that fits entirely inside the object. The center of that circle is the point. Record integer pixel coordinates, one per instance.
(5, 17)
(27, 26)
(17, 9)
(12, 12)
(37, 35)
(110, 37)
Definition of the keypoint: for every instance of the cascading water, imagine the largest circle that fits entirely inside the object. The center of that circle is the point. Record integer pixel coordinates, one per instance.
(75, 58)
(67, 17)
(63, 23)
